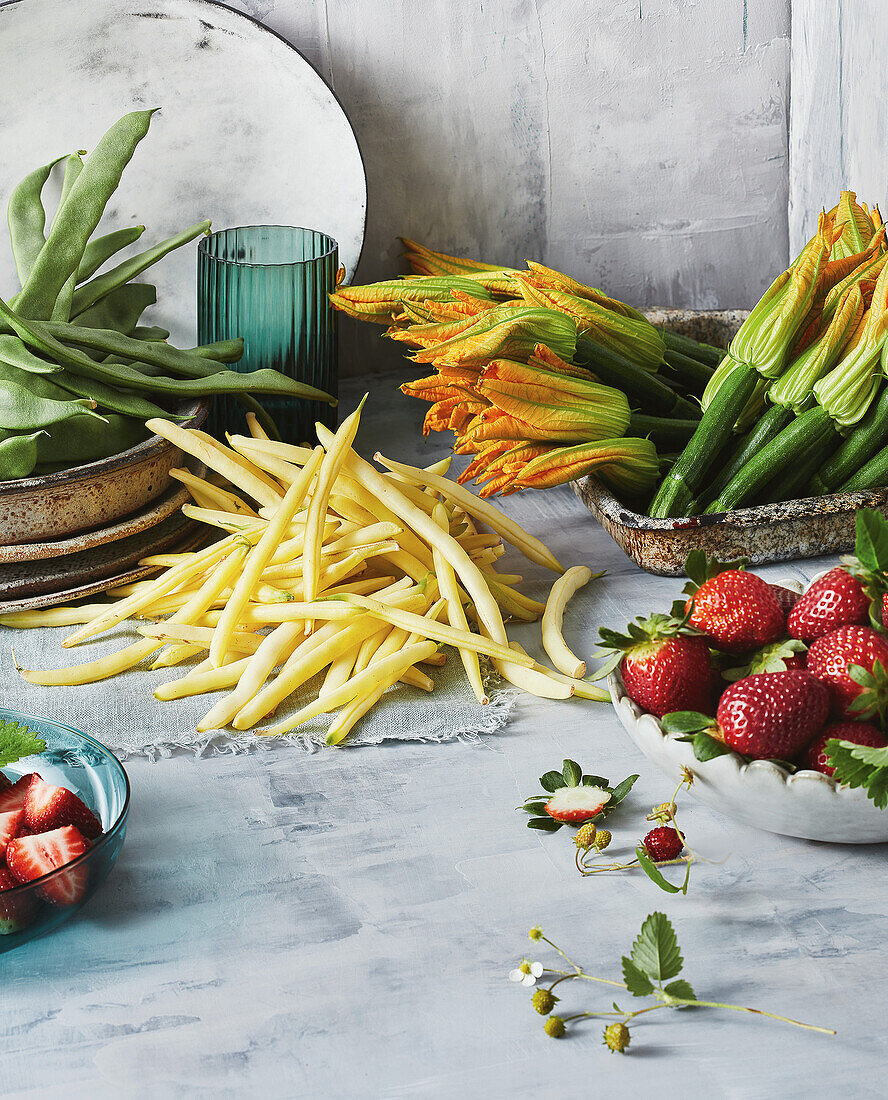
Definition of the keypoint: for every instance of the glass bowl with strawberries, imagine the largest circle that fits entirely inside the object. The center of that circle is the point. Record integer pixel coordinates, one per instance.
(63, 815)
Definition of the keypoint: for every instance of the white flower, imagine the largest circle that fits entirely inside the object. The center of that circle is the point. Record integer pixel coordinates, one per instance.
(526, 972)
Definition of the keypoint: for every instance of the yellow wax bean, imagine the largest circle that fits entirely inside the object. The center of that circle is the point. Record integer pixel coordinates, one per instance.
(259, 557)
(201, 680)
(91, 671)
(218, 458)
(456, 614)
(511, 531)
(220, 498)
(288, 451)
(553, 639)
(255, 428)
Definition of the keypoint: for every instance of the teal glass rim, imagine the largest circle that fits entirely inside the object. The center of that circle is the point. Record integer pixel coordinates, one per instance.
(96, 846)
(329, 247)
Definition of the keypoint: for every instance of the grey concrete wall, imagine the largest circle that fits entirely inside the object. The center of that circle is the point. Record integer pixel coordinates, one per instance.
(638, 144)
(839, 117)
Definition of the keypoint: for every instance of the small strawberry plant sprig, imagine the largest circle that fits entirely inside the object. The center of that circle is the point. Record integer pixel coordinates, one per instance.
(869, 563)
(655, 959)
(17, 741)
(661, 847)
(571, 798)
(860, 766)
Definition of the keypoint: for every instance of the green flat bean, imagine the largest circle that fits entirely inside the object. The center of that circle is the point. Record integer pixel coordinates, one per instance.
(18, 455)
(13, 351)
(223, 351)
(121, 309)
(38, 384)
(78, 218)
(20, 407)
(96, 289)
(81, 439)
(26, 218)
(102, 249)
(113, 399)
(150, 332)
(61, 311)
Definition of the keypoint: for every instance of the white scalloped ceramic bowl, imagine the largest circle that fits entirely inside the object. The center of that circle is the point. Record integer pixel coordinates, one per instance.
(807, 804)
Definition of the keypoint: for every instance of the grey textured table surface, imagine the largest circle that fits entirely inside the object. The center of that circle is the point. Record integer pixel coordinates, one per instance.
(342, 924)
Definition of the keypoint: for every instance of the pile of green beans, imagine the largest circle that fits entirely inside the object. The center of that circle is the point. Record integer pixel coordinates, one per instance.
(79, 375)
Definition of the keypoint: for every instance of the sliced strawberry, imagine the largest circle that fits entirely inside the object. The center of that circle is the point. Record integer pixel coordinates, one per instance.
(10, 823)
(30, 857)
(16, 911)
(5, 781)
(573, 805)
(13, 797)
(47, 807)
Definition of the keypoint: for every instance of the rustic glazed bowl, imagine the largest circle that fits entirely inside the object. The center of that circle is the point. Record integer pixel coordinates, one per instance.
(33, 509)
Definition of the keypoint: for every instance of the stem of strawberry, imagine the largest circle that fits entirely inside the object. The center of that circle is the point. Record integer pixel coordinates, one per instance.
(681, 1002)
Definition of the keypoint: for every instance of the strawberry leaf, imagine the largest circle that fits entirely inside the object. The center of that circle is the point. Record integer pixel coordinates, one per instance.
(572, 773)
(638, 983)
(860, 766)
(686, 721)
(596, 781)
(681, 989)
(656, 876)
(705, 746)
(545, 824)
(655, 951)
(535, 808)
(552, 781)
(700, 569)
(17, 741)
(621, 790)
(871, 542)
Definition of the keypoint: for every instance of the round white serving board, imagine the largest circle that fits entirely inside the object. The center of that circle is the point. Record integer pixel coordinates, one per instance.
(248, 132)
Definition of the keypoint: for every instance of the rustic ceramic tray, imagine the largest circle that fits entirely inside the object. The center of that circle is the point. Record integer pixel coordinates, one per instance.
(50, 507)
(769, 532)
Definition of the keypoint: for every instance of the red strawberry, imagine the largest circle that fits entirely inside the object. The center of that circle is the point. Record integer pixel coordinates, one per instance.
(858, 733)
(830, 656)
(10, 823)
(30, 857)
(13, 798)
(5, 781)
(663, 844)
(737, 611)
(664, 668)
(48, 807)
(574, 805)
(773, 715)
(837, 599)
(786, 597)
(16, 910)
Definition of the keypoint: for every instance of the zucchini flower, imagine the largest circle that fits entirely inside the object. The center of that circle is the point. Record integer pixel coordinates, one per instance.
(547, 279)
(506, 333)
(846, 392)
(423, 261)
(636, 340)
(629, 465)
(767, 334)
(379, 302)
(854, 227)
(793, 389)
(484, 456)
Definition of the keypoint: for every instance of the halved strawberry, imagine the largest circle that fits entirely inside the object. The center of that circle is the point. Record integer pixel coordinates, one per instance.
(10, 823)
(574, 805)
(16, 911)
(13, 797)
(30, 857)
(47, 807)
(5, 781)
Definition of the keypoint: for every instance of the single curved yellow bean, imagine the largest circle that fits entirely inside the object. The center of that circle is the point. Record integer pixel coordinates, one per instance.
(553, 639)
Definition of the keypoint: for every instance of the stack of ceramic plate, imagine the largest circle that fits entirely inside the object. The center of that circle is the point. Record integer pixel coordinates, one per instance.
(84, 530)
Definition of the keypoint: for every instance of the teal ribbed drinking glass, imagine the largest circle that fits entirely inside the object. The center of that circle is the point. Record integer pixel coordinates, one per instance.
(269, 284)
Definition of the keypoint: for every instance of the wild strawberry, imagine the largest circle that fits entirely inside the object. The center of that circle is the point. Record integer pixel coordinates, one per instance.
(772, 716)
(31, 857)
(830, 658)
(663, 844)
(858, 733)
(837, 599)
(16, 910)
(47, 807)
(616, 1037)
(737, 611)
(786, 598)
(574, 805)
(663, 666)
